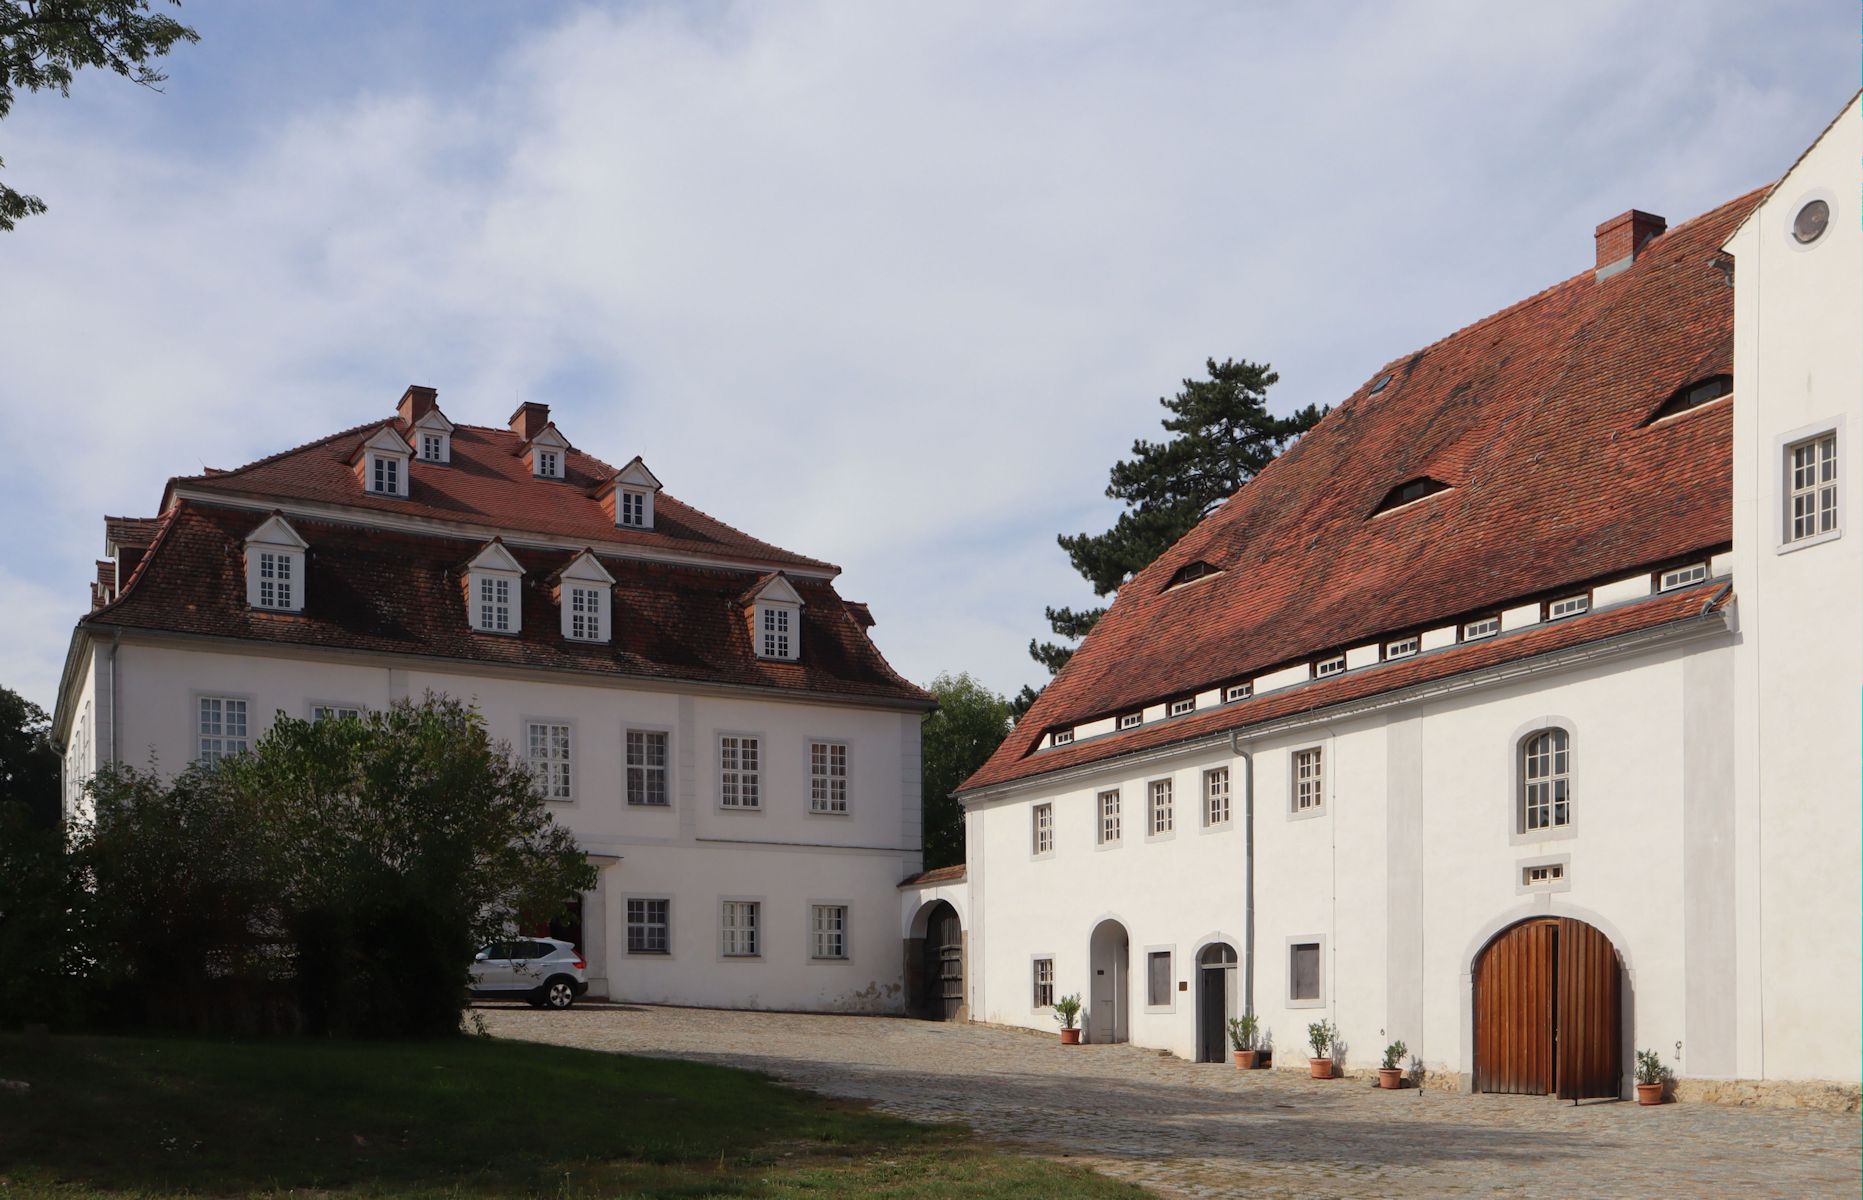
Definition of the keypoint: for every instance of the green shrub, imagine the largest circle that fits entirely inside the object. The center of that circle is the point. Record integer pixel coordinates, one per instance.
(1066, 1009)
(1322, 1036)
(1242, 1032)
(1394, 1055)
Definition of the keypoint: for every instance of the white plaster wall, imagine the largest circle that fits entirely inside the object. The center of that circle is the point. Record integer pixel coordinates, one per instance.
(1798, 367)
(691, 852)
(81, 760)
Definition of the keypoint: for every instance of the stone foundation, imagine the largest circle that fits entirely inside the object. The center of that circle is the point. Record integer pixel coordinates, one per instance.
(1771, 1093)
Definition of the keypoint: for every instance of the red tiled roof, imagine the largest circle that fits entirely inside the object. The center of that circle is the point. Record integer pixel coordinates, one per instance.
(131, 531)
(935, 875)
(377, 590)
(1534, 416)
(487, 483)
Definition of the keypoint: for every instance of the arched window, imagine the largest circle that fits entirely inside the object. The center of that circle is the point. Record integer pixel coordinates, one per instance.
(1546, 781)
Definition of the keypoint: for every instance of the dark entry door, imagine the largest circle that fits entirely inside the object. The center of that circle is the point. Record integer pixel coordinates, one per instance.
(947, 942)
(1546, 1011)
(1212, 1013)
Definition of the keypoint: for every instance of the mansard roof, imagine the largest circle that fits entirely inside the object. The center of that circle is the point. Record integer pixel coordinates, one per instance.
(378, 590)
(1532, 417)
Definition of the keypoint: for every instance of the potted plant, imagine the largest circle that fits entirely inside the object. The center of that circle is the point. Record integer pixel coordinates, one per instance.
(1322, 1035)
(1651, 1075)
(1242, 1039)
(1066, 1009)
(1391, 1074)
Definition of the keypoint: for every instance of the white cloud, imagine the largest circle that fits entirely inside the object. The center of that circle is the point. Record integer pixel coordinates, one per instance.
(887, 285)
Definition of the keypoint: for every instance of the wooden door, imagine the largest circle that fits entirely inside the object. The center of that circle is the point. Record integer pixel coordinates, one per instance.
(1515, 988)
(1589, 1047)
(949, 938)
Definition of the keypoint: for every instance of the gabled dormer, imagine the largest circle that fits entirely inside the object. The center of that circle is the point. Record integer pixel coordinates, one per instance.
(544, 450)
(584, 594)
(381, 463)
(774, 609)
(493, 584)
(432, 438)
(275, 566)
(628, 497)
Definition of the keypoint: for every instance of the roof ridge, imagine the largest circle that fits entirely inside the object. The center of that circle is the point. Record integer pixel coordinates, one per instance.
(299, 449)
(167, 520)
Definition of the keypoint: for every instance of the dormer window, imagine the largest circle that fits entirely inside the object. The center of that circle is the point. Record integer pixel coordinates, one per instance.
(775, 609)
(432, 437)
(1191, 572)
(275, 566)
(1186, 705)
(629, 496)
(381, 463)
(1329, 666)
(1693, 395)
(547, 451)
(1131, 720)
(1238, 691)
(774, 622)
(633, 508)
(494, 590)
(433, 447)
(1062, 737)
(550, 464)
(1410, 492)
(384, 475)
(584, 594)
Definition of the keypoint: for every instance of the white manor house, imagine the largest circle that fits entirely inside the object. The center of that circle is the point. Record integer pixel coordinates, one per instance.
(1513, 713)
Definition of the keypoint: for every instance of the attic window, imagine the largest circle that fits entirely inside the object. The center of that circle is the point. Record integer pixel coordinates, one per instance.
(1062, 737)
(1682, 577)
(1409, 493)
(1694, 395)
(433, 447)
(1329, 666)
(1191, 572)
(1384, 381)
(275, 566)
(1486, 627)
(549, 464)
(1401, 648)
(1238, 691)
(384, 475)
(1569, 606)
(633, 508)
(1131, 720)
(1180, 707)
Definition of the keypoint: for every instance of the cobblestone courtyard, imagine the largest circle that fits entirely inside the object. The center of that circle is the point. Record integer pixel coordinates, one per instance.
(1188, 1129)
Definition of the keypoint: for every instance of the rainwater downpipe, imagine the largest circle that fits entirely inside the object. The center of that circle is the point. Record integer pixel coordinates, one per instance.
(1248, 854)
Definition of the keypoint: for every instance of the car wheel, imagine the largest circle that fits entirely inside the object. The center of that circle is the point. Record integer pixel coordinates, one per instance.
(559, 992)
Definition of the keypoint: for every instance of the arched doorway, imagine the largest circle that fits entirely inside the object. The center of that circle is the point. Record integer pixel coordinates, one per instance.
(1216, 1000)
(938, 983)
(1107, 998)
(1548, 1011)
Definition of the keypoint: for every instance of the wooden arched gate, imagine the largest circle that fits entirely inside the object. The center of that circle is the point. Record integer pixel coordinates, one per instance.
(941, 970)
(1548, 1007)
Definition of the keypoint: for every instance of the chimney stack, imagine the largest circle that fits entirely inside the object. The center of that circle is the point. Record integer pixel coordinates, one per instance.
(1623, 237)
(529, 419)
(417, 402)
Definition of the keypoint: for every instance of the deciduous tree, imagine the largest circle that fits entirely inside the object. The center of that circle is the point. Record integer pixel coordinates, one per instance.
(971, 721)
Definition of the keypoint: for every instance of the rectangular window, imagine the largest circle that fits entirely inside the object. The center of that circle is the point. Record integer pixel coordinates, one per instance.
(430, 447)
(1238, 691)
(1682, 577)
(1216, 796)
(1329, 666)
(828, 929)
(1309, 780)
(648, 926)
(1571, 606)
(1812, 490)
(549, 758)
(828, 777)
(634, 509)
(1163, 817)
(738, 926)
(547, 464)
(740, 771)
(495, 604)
(585, 614)
(222, 728)
(1474, 631)
(1158, 978)
(1303, 971)
(1044, 828)
(1401, 648)
(1542, 876)
(1180, 707)
(335, 712)
(1062, 737)
(1131, 720)
(646, 768)
(1109, 817)
(1044, 983)
(387, 475)
(776, 633)
(275, 583)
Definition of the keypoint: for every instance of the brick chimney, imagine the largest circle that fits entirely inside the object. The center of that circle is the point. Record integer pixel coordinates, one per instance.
(1623, 237)
(529, 419)
(416, 403)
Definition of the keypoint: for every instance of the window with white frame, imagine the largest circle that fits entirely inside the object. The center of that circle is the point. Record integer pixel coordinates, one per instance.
(649, 925)
(1180, 707)
(1682, 577)
(633, 508)
(1238, 691)
(1569, 606)
(336, 712)
(1109, 817)
(222, 728)
(1545, 781)
(1216, 796)
(776, 625)
(1303, 971)
(493, 603)
(1309, 780)
(1473, 631)
(550, 464)
(548, 751)
(385, 474)
(1061, 737)
(277, 579)
(1811, 487)
(739, 922)
(433, 447)
(1158, 978)
(828, 777)
(1043, 818)
(1329, 666)
(1163, 816)
(1131, 720)
(585, 614)
(646, 768)
(1044, 983)
(740, 771)
(828, 931)
(1542, 875)
(1401, 647)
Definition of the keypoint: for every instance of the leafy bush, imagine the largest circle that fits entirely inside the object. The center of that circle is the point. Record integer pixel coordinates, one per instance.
(1066, 1009)
(1650, 1068)
(42, 915)
(1394, 1055)
(1242, 1032)
(1321, 1035)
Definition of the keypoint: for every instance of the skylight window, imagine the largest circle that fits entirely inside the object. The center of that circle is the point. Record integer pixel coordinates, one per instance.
(1191, 572)
(1694, 395)
(1409, 493)
(1383, 382)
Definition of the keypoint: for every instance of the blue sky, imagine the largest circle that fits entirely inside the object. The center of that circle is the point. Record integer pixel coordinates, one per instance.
(890, 285)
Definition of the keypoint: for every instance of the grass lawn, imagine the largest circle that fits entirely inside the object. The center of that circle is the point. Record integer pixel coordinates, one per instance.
(471, 1117)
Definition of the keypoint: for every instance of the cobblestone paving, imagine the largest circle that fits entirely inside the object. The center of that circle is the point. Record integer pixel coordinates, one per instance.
(1190, 1129)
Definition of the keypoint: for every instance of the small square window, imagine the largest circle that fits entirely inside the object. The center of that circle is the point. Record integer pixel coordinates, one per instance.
(1180, 707)
(1682, 577)
(1329, 666)
(649, 928)
(1542, 875)
(1131, 720)
(1238, 691)
(1062, 737)
(1474, 631)
(1570, 606)
(1401, 648)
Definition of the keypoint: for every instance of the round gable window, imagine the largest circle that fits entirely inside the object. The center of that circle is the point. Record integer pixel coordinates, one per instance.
(1810, 223)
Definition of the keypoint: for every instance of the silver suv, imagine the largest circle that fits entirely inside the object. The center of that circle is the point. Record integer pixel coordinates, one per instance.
(546, 972)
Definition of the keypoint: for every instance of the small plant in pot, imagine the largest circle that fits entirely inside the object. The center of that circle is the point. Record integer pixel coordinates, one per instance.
(1391, 1071)
(1067, 1011)
(1651, 1076)
(1322, 1035)
(1242, 1040)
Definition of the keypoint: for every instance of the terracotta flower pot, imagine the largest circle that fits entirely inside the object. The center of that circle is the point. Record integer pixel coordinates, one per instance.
(1391, 1078)
(1649, 1093)
(1245, 1059)
(1320, 1068)
(1070, 1037)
